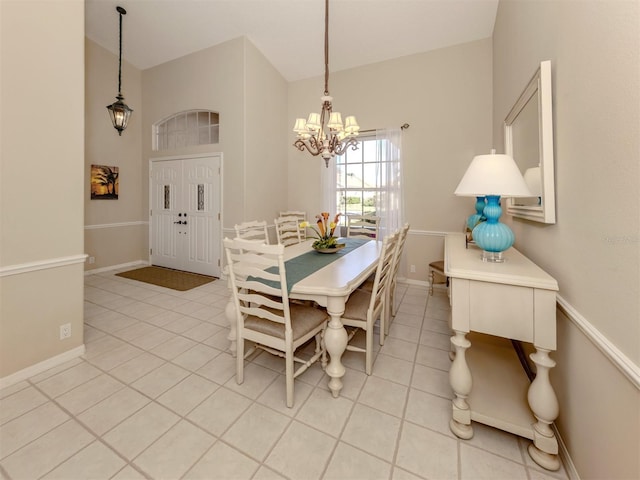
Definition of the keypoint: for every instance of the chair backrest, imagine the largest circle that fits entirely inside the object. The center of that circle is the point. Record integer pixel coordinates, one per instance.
(288, 230)
(384, 271)
(254, 230)
(399, 248)
(363, 226)
(300, 215)
(258, 280)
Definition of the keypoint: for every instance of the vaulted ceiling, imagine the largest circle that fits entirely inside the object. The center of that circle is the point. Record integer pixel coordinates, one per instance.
(290, 33)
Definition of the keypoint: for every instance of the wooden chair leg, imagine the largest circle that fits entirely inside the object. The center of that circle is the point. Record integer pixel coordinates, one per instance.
(289, 378)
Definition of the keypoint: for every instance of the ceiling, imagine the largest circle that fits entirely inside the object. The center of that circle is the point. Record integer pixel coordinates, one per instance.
(290, 33)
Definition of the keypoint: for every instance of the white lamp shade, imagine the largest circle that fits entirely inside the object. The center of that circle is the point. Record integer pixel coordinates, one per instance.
(493, 174)
(335, 121)
(351, 125)
(314, 121)
(300, 126)
(533, 180)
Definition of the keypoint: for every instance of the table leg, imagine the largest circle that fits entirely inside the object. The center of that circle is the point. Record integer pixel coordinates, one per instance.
(230, 313)
(544, 405)
(335, 339)
(461, 382)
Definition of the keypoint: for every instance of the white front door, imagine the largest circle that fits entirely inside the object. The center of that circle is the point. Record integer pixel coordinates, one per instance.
(185, 214)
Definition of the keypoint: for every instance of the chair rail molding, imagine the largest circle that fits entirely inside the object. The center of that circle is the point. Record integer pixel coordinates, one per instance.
(619, 359)
(116, 225)
(42, 265)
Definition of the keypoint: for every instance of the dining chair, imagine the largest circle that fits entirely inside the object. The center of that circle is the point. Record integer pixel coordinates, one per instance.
(394, 276)
(264, 315)
(300, 215)
(364, 308)
(254, 230)
(363, 226)
(288, 231)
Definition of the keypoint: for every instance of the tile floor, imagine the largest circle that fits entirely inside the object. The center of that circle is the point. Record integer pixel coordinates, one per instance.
(155, 397)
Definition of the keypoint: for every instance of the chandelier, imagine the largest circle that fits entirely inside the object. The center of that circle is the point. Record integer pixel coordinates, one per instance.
(324, 134)
(119, 111)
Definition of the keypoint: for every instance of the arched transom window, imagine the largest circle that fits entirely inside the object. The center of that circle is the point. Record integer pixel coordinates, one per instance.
(186, 129)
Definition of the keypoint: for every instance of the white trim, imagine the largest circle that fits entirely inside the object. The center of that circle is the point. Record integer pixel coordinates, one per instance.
(41, 367)
(116, 267)
(567, 461)
(427, 233)
(116, 225)
(619, 359)
(42, 265)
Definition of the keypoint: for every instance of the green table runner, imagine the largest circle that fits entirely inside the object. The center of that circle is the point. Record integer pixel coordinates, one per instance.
(304, 265)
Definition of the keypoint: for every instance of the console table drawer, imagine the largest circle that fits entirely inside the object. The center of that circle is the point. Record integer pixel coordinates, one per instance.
(502, 310)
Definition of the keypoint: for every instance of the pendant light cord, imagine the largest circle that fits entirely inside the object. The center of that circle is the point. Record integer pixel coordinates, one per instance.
(326, 47)
(121, 11)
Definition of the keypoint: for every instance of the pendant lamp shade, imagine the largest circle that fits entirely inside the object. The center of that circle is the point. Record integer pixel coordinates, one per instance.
(118, 110)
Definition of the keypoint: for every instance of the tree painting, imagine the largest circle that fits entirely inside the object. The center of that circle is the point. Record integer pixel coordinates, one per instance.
(104, 182)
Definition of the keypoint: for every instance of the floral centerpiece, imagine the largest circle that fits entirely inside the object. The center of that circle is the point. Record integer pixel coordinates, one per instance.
(324, 232)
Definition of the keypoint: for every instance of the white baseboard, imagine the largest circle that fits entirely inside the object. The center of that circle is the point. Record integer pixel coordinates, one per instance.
(41, 367)
(116, 267)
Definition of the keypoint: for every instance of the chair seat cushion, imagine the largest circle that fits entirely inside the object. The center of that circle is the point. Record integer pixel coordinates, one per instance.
(357, 305)
(303, 320)
(437, 266)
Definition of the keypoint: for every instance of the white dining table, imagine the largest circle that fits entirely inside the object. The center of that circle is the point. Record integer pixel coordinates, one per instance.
(330, 287)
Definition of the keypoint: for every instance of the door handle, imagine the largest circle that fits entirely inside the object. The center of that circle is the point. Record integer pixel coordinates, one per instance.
(178, 222)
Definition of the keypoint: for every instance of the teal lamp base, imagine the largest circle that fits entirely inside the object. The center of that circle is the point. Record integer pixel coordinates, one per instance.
(477, 217)
(492, 236)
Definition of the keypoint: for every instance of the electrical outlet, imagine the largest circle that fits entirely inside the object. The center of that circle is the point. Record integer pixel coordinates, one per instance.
(92, 260)
(65, 331)
(413, 269)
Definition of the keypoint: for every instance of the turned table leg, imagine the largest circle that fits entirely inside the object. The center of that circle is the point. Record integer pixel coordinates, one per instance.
(544, 405)
(461, 382)
(335, 340)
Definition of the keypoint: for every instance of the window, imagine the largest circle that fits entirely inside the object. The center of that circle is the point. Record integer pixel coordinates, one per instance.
(186, 129)
(368, 181)
(357, 179)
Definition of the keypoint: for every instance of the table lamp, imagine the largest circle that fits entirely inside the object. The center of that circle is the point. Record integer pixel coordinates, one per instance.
(493, 176)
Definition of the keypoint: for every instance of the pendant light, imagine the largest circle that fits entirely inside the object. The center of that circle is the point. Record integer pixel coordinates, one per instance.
(119, 111)
(324, 134)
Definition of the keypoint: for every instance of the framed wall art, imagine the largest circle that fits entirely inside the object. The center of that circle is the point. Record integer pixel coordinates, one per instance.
(104, 182)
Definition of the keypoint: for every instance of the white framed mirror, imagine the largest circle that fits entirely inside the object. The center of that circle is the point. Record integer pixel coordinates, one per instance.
(528, 138)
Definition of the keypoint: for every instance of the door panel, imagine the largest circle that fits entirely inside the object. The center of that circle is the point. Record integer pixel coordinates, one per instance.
(202, 205)
(166, 179)
(185, 225)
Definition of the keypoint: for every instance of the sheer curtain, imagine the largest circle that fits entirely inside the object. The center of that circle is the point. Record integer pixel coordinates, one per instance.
(390, 202)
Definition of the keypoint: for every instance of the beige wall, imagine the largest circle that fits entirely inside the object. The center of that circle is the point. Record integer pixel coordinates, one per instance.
(266, 153)
(446, 97)
(115, 230)
(593, 250)
(235, 80)
(41, 180)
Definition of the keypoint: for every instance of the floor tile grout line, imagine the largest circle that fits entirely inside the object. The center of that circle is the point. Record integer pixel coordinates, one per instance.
(82, 425)
(406, 400)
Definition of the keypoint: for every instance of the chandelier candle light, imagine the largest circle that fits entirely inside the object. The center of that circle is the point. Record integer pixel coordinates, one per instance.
(119, 111)
(324, 134)
(493, 176)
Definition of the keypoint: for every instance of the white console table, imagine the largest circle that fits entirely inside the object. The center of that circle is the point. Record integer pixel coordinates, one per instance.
(514, 300)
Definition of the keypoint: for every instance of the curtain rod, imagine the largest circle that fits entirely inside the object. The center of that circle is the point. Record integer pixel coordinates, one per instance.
(404, 126)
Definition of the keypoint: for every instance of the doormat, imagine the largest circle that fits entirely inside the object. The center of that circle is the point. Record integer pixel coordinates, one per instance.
(167, 277)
